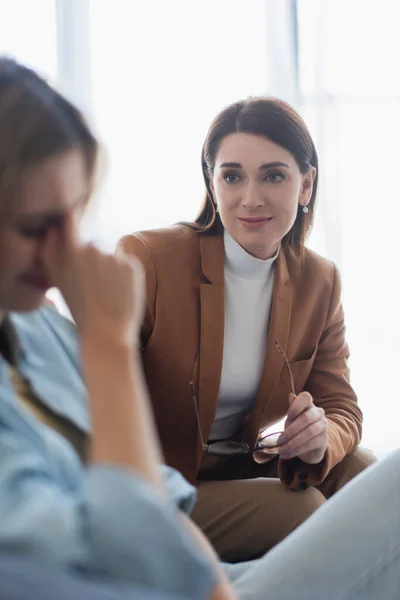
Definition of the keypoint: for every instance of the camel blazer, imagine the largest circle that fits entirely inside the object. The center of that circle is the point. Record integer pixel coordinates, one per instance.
(183, 337)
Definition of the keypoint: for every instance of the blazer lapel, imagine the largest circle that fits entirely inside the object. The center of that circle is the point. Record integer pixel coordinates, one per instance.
(212, 321)
(279, 327)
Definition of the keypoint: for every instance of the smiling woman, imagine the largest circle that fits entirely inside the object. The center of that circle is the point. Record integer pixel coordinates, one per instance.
(240, 189)
(231, 298)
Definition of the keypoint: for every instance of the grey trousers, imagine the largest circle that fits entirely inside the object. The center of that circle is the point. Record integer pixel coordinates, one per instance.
(349, 549)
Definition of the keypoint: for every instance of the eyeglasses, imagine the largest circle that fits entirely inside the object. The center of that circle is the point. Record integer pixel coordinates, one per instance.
(267, 441)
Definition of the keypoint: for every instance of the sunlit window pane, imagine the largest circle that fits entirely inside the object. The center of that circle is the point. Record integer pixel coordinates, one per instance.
(160, 74)
(353, 46)
(28, 33)
(350, 85)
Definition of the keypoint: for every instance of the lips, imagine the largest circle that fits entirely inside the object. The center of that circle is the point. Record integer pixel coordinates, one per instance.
(254, 222)
(255, 219)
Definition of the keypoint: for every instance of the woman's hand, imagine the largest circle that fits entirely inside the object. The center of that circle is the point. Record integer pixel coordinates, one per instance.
(105, 293)
(306, 430)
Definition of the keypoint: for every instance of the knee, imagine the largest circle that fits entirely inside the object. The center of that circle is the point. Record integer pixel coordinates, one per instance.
(308, 501)
(357, 461)
(346, 470)
(301, 505)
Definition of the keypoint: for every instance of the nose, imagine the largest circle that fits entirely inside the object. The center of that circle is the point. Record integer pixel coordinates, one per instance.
(252, 196)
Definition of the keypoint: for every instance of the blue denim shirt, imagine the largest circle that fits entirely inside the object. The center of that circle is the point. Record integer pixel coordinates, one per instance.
(101, 519)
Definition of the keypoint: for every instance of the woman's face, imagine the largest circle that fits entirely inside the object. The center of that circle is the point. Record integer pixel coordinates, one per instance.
(45, 194)
(257, 186)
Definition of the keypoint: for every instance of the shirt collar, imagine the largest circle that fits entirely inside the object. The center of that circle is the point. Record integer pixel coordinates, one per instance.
(19, 342)
(242, 264)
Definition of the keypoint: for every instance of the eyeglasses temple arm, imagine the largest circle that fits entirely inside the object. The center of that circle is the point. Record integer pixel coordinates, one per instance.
(196, 410)
(285, 358)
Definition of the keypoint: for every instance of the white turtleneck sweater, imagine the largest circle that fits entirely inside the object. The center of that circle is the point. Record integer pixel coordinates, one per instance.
(249, 284)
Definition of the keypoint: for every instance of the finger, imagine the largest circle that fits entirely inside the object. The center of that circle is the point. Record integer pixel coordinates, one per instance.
(60, 243)
(315, 428)
(304, 420)
(301, 403)
(51, 252)
(292, 398)
(70, 232)
(316, 443)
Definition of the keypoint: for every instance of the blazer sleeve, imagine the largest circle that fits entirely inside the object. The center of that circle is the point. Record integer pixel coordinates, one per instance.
(105, 521)
(134, 245)
(329, 385)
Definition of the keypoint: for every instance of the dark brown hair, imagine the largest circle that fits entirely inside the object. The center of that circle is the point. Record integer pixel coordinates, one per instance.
(277, 121)
(36, 122)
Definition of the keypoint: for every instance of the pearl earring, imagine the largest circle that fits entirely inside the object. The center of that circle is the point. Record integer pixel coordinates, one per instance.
(305, 209)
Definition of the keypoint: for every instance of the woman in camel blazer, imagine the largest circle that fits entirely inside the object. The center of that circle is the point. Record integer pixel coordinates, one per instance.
(221, 292)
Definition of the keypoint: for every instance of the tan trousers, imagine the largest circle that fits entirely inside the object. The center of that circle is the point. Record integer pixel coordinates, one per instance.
(246, 516)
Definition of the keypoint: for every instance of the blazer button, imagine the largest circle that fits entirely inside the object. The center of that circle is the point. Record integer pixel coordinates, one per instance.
(303, 476)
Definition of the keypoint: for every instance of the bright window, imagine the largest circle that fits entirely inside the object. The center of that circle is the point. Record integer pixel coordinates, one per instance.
(160, 72)
(28, 33)
(350, 85)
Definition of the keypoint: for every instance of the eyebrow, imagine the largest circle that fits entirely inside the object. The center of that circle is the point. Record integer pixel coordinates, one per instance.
(234, 165)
